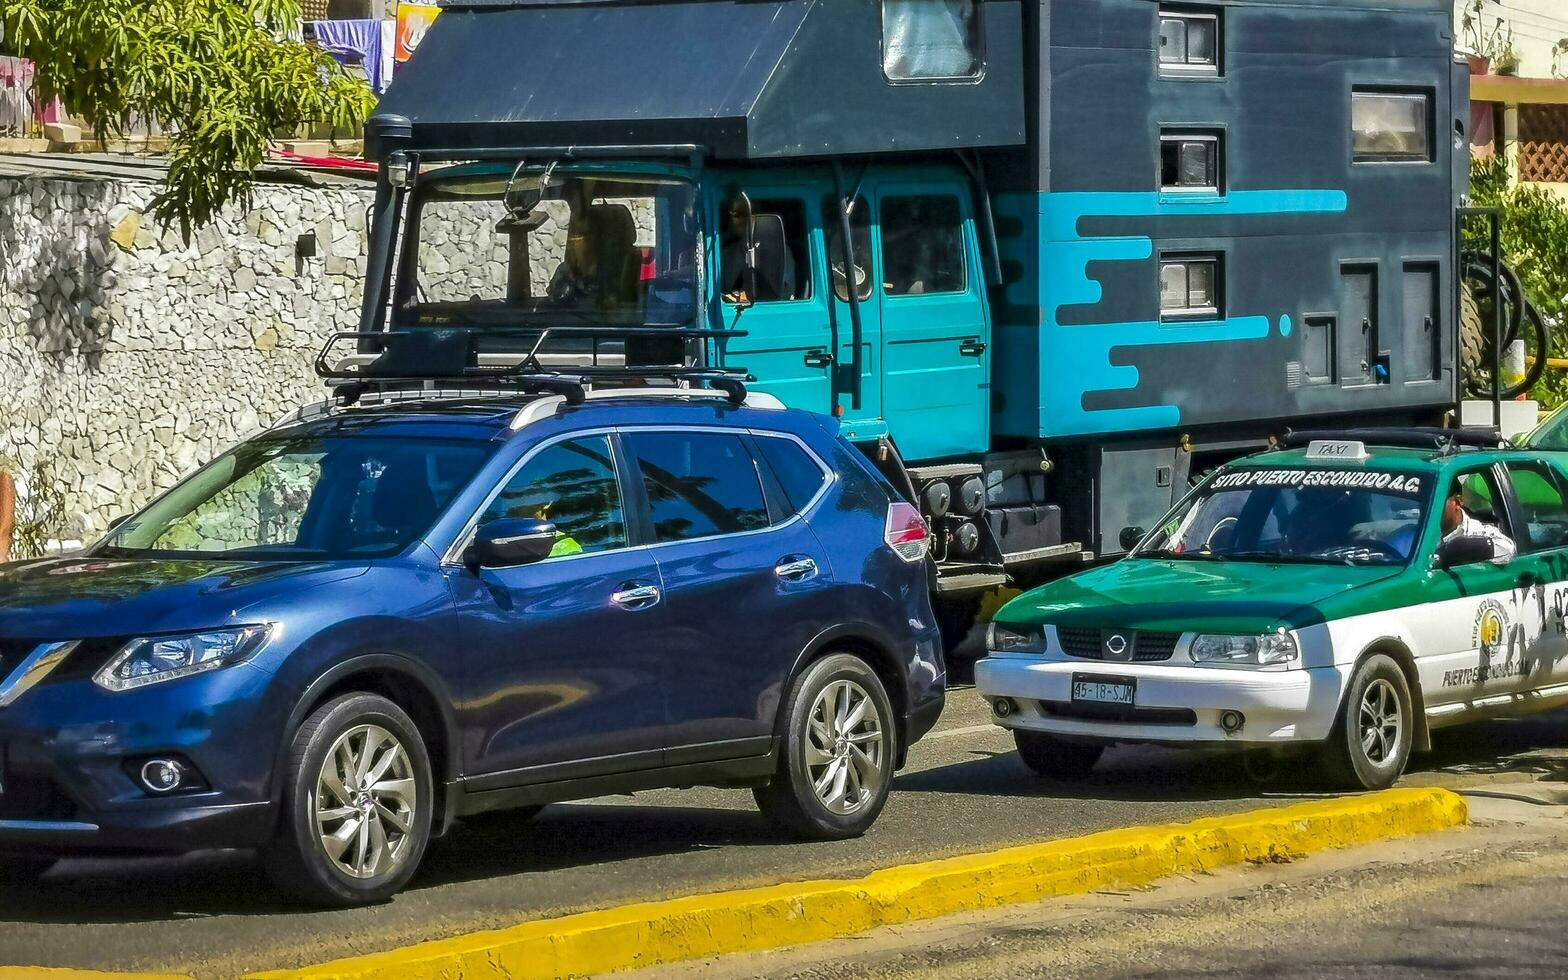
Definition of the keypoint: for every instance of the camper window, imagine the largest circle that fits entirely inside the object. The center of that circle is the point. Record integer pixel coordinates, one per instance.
(1189, 41)
(1189, 287)
(924, 40)
(1391, 127)
(783, 272)
(1190, 162)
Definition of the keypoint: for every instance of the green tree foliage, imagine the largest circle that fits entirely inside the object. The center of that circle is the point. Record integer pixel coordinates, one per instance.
(222, 74)
(1535, 244)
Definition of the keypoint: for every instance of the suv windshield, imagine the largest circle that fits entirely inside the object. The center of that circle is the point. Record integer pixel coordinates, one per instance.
(1356, 517)
(314, 499)
(595, 249)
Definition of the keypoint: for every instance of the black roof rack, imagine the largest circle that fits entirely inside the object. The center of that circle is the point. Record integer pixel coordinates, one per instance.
(1412, 437)
(443, 358)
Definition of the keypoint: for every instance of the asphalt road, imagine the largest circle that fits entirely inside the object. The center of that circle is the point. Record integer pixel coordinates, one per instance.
(964, 790)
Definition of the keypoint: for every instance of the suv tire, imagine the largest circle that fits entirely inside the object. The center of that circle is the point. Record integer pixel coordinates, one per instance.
(1371, 739)
(357, 770)
(1056, 758)
(839, 734)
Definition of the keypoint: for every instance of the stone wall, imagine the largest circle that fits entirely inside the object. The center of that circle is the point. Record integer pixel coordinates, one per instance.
(128, 356)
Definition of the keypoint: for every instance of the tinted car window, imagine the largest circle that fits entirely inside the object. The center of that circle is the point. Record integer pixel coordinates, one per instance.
(306, 498)
(699, 484)
(798, 474)
(571, 484)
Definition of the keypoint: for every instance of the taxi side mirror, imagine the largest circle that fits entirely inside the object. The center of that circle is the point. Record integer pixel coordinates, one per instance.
(1458, 552)
(1130, 537)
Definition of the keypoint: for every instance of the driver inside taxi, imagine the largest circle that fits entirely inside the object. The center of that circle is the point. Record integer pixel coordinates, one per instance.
(1458, 521)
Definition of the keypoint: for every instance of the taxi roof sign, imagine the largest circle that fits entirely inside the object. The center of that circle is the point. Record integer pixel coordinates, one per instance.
(1338, 450)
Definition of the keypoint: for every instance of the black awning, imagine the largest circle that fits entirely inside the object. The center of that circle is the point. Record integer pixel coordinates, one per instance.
(742, 79)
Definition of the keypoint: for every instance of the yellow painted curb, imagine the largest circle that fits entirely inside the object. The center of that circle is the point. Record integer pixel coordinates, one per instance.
(781, 915)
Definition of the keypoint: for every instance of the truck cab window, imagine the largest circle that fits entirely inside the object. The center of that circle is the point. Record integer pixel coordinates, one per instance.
(860, 227)
(783, 270)
(922, 245)
(930, 39)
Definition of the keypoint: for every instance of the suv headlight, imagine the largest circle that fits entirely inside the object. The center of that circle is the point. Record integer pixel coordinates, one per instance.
(155, 659)
(1002, 638)
(1267, 650)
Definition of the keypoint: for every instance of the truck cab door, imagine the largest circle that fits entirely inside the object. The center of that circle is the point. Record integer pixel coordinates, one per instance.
(935, 332)
(788, 342)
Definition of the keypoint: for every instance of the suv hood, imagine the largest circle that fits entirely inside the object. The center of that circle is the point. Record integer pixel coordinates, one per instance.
(86, 597)
(1184, 596)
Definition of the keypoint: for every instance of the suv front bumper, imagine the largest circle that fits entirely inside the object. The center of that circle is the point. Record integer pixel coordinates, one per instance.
(69, 754)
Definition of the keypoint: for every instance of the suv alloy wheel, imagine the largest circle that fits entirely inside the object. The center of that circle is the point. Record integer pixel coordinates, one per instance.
(839, 746)
(357, 804)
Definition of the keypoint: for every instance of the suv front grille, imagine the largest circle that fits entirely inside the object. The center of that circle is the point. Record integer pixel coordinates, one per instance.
(1142, 646)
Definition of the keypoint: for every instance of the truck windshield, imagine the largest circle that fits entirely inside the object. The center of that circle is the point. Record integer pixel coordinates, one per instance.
(1355, 517)
(596, 248)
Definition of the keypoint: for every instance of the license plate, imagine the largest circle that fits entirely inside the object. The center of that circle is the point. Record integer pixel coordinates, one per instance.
(1098, 690)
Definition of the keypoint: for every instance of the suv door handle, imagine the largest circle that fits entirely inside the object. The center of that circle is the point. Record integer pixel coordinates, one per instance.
(971, 348)
(796, 569)
(818, 358)
(634, 596)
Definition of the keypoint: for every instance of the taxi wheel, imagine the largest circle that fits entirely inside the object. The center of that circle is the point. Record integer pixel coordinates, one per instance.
(1371, 740)
(836, 756)
(1056, 758)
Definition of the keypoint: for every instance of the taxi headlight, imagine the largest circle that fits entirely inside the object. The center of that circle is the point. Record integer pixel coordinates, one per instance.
(1269, 649)
(1004, 638)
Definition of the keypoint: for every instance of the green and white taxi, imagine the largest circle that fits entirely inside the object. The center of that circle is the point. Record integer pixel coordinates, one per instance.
(1348, 592)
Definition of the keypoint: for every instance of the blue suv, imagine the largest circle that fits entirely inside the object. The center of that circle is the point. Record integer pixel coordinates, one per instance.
(354, 629)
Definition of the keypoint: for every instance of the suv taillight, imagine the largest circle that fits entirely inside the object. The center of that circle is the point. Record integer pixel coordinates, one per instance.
(906, 532)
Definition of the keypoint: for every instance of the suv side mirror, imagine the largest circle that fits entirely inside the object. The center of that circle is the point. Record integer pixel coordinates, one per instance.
(1463, 551)
(511, 542)
(1130, 537)
(118, 521)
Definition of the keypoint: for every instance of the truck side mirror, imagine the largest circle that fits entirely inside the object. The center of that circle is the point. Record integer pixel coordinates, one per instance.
(748, 214)
(1130, 537)
(1457, 552)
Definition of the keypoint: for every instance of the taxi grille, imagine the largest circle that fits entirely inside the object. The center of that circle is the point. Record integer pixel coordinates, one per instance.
(1144, 646)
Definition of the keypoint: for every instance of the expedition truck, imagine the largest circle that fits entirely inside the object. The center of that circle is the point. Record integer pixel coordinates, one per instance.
(1046, 260)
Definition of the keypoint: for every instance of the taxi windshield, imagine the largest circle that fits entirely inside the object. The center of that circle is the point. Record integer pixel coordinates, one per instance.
(589, 249)
(1304, 516)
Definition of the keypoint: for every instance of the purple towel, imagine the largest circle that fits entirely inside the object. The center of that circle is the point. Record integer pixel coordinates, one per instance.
(353, 42)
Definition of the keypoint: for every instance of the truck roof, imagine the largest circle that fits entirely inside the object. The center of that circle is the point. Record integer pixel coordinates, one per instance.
(732, 79)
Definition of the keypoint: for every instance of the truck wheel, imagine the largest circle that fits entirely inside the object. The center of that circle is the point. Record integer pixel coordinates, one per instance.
(358, 797)
(836, 757)
(1056, 758)
(1371, 740)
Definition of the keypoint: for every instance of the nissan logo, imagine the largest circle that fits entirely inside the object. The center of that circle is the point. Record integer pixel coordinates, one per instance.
(1116, 644)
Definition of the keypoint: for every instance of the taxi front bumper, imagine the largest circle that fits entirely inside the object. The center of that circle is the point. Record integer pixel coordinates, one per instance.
(1172, 703)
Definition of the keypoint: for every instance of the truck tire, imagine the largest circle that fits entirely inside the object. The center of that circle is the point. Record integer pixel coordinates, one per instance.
(1056, 758)
(1371, 739)
(358, 771)
(836, 757)
(1473, 340)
